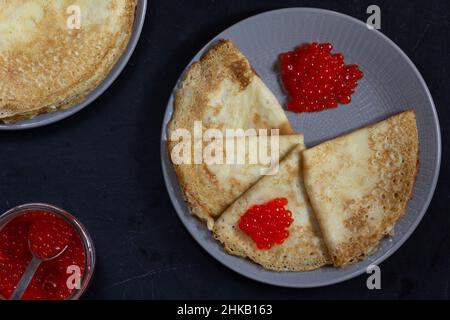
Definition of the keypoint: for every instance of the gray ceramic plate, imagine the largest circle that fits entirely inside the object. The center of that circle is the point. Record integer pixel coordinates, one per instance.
(391, 84)
(49, 118)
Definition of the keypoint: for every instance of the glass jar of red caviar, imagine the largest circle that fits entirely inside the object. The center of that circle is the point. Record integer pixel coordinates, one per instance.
(54, 279)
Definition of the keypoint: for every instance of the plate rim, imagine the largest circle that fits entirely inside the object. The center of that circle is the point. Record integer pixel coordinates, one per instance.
(102, 87)
(339, 279)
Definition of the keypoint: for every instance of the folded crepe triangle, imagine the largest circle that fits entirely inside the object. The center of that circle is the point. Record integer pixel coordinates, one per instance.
(359, 184)
(304, 248)
(210, 188)
(224, 92)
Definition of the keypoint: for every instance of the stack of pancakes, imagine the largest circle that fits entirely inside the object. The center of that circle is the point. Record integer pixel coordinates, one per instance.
(53, 53)
(345, 194)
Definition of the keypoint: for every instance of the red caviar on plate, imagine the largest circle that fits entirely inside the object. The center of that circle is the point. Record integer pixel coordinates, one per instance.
(267, 223)
(317, 79)
(47, 233)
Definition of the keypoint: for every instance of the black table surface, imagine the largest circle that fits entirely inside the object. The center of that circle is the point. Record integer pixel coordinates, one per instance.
(103, 164)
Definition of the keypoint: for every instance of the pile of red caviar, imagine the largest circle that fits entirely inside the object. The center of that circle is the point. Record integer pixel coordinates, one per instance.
(267, 223)
(316, 79)
(47, 234)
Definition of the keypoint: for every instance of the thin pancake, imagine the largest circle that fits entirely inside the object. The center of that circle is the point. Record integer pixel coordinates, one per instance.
(304, 249)
(224, 92)
(210, 188)
(44, 65)
(359, 184)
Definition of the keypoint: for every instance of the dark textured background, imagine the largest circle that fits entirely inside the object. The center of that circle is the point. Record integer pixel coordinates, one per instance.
(103, 164)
